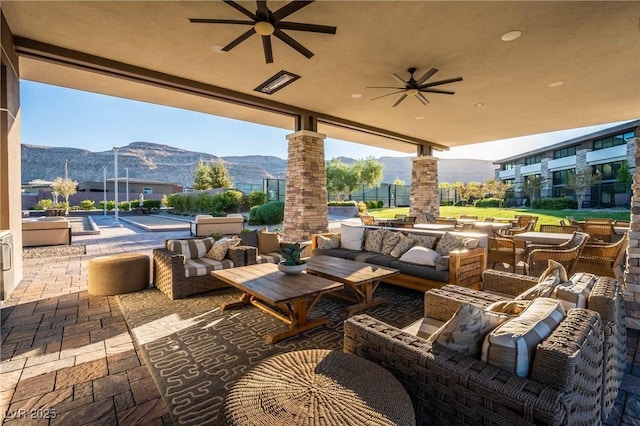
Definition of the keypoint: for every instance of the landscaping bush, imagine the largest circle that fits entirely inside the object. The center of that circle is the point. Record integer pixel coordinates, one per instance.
(110, 205)
(270, 213)
(150, 204)
(559, 203)
(342, 203)
(488, 202)
(87, 205)
(228, 201)
(257, 198)
(375, 204)
(43, 204)
(201, 203)
(123, 205)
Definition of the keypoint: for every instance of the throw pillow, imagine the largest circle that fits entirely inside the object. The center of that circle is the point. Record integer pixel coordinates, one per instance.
(442, 264)
(420, 256)
(389, 241)
(556, 269)
(449, 242)
(466, 330)
(220, 247)
(404, 244)
(192, 248)
(373, 240)
(423, 240)
(575, 292)
(268, 242)
(330, 242)
(509, 307)
(250, 237)
(512, 344)
(470, 243)
(542, 289)
(351, 237)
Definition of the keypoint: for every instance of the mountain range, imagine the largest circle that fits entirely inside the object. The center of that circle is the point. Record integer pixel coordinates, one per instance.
(164, 163)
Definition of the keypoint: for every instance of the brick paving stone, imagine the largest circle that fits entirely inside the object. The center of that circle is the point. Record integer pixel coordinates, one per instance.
(8, 381)
(123, 401)
(142, 413)
(12, 365)
(110, 385)
(33, 386)
(138, 373)
(81, 373)
(82, 327)
(50, 366)
(47, 401)
(118, 365)
(76, 341)
(82, 349)
(96, 413)
(91, 356)
(144, 390)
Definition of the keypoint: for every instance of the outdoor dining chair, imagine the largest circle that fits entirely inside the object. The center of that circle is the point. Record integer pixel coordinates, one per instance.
(537, 255)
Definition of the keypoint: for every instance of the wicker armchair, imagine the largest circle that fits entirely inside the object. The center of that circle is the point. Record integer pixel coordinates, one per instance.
(528, 227)
(600, 230)
(368, 220)
(559, 229)
(504, 250)
(604, 259)
(537, 255)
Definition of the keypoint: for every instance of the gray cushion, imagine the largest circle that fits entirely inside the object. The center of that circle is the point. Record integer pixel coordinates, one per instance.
(427, 272)
(381, 260)
(360, 255)
(336, 252)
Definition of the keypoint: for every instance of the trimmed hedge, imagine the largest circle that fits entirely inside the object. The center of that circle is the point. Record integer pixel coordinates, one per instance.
(271, 213)
(342, 203)
(559, 203)
(488, 202)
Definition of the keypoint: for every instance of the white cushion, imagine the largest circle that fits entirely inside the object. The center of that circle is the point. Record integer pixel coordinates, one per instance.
(512, 344)
(575, 292)
(421, 256)
(351, 237)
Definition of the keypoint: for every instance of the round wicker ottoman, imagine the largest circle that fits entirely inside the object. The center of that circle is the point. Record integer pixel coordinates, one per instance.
(318, 387)
(117, 274)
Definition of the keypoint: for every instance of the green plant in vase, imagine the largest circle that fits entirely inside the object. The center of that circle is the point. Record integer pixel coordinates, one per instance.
(292, 263)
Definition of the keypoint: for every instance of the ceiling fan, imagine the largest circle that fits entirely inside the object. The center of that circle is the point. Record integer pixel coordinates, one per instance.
(416, 88)
(266, 23)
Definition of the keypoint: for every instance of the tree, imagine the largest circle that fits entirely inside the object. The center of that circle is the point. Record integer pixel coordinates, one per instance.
(343, 180)
(398, 182)
(497, 189)
(531, 187)
(201, 177)
(64, 188)
(624, 177)
(468, 190)
(219, 175)
(581, 182)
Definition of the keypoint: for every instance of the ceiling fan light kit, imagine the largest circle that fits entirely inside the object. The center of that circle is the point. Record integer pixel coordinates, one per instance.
(416, 88)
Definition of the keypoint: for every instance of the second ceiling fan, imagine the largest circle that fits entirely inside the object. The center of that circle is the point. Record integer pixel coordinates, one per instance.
(416, 88)
(266, 23)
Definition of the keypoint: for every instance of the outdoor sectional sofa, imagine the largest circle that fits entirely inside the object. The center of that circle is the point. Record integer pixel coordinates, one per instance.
(463, 266)
(574, 377)
(46, 231)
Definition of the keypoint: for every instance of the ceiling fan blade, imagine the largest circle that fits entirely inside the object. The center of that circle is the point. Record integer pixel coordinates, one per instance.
(437, 83)
(400, 100)
(444, 92)
(388, 94)
(291, 42)
(290, 8)
(398, 78)
(427, 75)
(268, 52)
(219, 21)
(422, 99)
(263, 11)
(386, 87)
(237, 41)
(241, 9)
(313, 28)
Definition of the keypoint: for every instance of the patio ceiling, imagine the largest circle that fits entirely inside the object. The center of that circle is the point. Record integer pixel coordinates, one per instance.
(593, 47)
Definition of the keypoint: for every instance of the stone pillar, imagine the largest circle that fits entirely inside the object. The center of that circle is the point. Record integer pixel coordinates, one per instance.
(631, 283)
(424, 196)
(305, 205)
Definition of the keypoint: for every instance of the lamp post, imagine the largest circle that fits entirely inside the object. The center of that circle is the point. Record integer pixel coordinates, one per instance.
(104, 190)
(115, 183)
(126, 169)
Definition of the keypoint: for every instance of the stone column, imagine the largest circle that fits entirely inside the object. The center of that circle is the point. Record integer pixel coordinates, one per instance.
(631, 283)
(305, 205)
(424, 196)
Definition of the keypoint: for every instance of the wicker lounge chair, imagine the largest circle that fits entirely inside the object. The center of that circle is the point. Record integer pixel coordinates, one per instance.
(560, 229)
(505, 250)
(603, 259)
(537, 255)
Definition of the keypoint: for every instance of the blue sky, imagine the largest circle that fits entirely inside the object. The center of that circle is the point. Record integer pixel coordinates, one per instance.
(56, 116)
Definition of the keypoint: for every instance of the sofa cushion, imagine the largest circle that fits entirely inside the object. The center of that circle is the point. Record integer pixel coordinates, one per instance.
(466, 330)
(336, 252)
(373, 239)
(250, 237)
(268, 242)
(509, 307)
(193, 248)
(360, 255)
(449, 242)
(423, 240)
(328, 242)
(220, 248)
(426, 272)
(555, 269)
(351, 237)
(404, 244)
(442, 263)
(381, 260)
(389, 241)
(274, 257)
(420, 256)
(512, 344)
(542, 289)
(575, 292)
(202, 266)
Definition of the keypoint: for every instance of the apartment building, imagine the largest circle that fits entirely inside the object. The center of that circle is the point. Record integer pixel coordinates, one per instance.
(603, 152)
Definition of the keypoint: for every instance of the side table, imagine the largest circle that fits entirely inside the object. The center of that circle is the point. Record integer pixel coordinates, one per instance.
(243, 255)
(318, 387)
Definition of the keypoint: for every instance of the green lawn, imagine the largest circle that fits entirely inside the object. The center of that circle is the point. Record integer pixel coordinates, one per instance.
(549, 217)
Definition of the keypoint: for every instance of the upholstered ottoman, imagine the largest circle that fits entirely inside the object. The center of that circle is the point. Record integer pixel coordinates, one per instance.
(117, 274)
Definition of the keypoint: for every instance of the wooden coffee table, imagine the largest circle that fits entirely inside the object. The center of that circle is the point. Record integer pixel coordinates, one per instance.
(265, 287)
(362, 278)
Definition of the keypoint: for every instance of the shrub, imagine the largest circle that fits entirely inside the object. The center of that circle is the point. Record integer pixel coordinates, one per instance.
(110, 205)
(559, 203)
(488, 202)
(217, 213)
(151, 204)
(43, 204)
(228, 201)
(257, 198)
(270, 213)
(87, 205)
(253, 216)
(342, 203)
(123, 206)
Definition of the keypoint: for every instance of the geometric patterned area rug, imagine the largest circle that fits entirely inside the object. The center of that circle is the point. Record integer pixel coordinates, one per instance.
(195, 351)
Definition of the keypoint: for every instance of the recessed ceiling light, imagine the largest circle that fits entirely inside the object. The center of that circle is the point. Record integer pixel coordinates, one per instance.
(420, 118)
(218, 48)
(479, 104)
(511, 35)
(556, 84)
(356, 95)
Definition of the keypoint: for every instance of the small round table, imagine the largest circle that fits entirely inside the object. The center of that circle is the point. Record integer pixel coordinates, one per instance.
(318, 387)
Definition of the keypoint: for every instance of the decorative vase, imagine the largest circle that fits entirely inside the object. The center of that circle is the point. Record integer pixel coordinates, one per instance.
(292, 269)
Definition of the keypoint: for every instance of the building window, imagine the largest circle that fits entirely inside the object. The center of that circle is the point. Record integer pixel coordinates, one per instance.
(509, 166)
(147, 190)
(610, 141)
(559, 179)
(608, 171)
(534, 159)
(564, 152)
